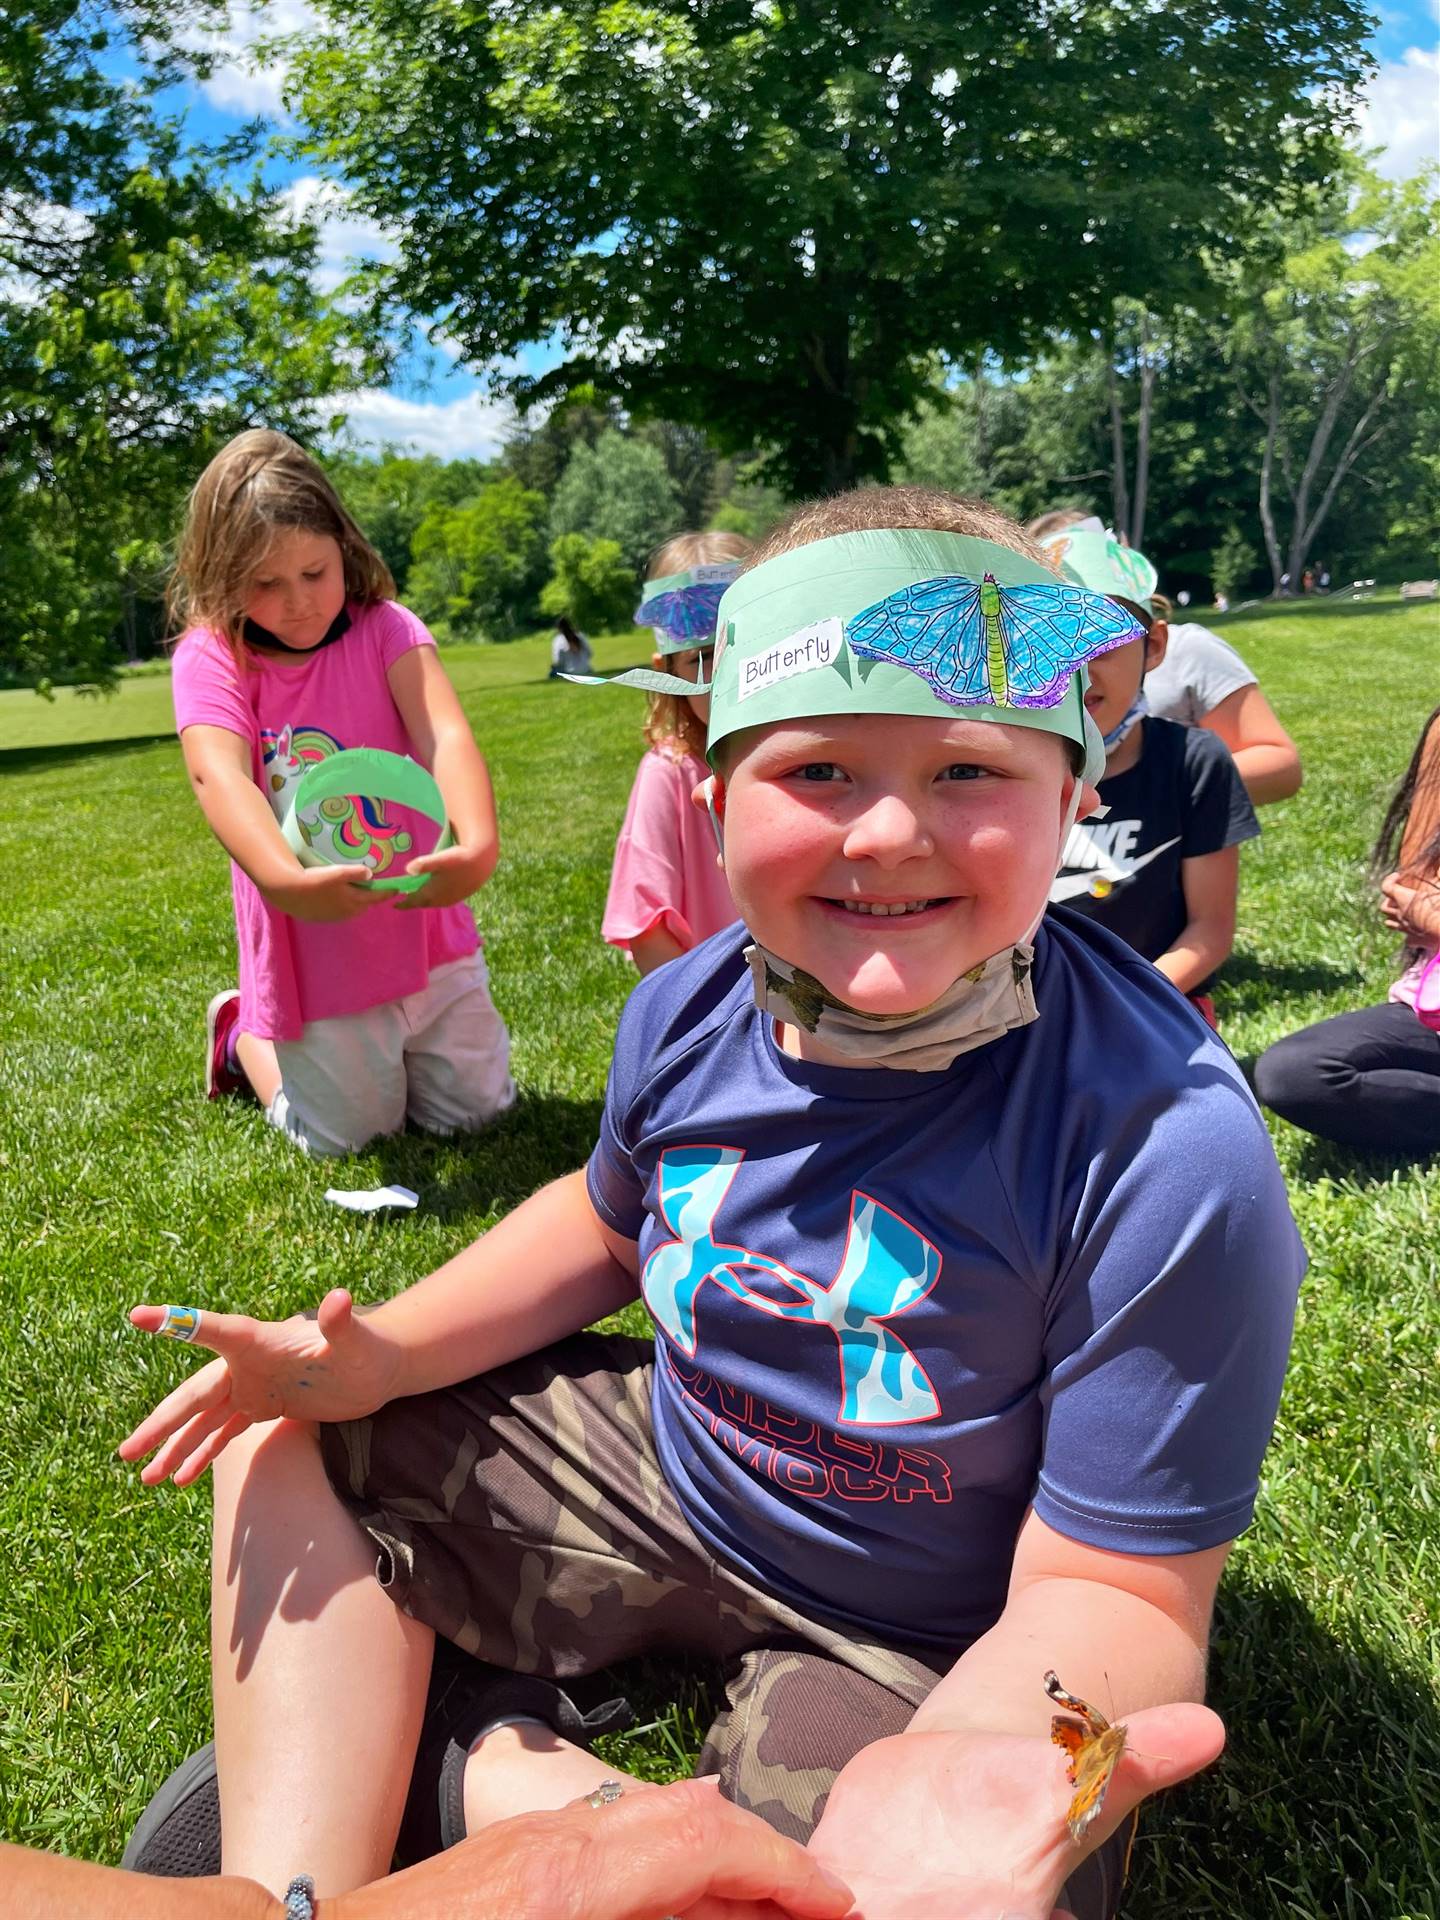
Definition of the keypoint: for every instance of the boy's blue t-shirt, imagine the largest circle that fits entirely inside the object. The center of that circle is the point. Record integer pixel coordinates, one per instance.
(893, 1309)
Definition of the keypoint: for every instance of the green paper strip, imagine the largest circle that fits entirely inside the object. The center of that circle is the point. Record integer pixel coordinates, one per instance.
(375, 775)
(648, 679)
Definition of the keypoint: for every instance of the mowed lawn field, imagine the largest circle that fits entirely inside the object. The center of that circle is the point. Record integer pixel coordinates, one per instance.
(119, 1183)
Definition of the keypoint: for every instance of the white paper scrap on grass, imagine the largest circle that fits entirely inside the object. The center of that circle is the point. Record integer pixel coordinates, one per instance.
(372, 1199)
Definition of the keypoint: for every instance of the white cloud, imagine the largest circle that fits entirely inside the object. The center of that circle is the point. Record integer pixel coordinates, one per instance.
(344, 237)
(1401, 112)
(244, 82)
(470, 428)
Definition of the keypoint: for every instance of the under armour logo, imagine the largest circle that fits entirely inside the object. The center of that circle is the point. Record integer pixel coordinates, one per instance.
(886, 1269)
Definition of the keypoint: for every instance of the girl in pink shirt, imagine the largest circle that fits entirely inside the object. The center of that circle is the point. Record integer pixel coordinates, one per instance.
(667, 891)
(353, 1012)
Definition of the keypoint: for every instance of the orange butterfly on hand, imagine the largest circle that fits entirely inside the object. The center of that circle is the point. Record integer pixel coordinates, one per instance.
(1094, 1747)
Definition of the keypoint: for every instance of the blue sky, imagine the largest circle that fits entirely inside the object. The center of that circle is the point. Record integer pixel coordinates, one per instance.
(435, 406)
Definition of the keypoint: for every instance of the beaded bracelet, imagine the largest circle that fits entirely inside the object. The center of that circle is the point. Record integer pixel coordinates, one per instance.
(300, 1898)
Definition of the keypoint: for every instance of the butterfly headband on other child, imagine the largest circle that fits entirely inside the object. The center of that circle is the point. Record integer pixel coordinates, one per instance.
(909, 621)
(1093, 555)
(680, 609)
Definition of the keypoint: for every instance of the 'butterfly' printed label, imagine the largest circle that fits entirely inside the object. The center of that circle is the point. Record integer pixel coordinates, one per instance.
(801, 652)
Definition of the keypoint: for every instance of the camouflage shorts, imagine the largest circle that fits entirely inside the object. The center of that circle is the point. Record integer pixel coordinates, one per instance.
(524, 1516)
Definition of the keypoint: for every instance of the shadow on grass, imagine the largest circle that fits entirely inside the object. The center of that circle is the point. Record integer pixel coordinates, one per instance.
(32, 759)
(1281, 977)
(1319, 1793)
(542, 1137)
(1327, 1160)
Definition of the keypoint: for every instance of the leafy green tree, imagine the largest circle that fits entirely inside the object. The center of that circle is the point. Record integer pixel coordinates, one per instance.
(591, 581)
(1336, 354)
(765, 219)
(390, 494)
(473, 572)
(148, 310)
(617, 490)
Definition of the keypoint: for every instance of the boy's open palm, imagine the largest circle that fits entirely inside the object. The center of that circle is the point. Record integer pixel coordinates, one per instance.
(337, 1366)
(971, 1826)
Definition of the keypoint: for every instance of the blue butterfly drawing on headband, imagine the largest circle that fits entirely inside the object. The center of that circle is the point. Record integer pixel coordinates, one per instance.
(979, 644)
(688, 612)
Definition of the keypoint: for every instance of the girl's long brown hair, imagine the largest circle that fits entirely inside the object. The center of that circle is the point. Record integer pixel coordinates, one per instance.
(1417, 795)
(259, 485)
(671, 726)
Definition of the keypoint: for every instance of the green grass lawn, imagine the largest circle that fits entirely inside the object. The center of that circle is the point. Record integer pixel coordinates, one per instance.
(120, 1183)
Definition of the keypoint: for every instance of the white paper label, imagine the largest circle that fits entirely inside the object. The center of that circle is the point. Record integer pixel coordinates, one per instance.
(802, 652)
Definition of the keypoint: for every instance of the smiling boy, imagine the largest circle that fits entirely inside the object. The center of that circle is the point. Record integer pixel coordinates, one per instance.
(972, 1280)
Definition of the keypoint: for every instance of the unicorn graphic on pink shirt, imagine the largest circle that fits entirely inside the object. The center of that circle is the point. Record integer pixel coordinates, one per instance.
(354, 826)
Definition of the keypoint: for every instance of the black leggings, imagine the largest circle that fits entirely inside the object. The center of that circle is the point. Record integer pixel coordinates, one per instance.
(1369, 1079)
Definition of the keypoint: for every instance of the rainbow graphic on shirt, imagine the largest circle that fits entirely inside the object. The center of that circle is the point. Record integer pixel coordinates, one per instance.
(351, 826)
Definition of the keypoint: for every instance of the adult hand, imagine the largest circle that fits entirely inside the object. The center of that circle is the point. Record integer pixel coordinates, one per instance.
(324, 893)
(336, 1367)
(971, 1826)
(455, 874)
(678, 1850)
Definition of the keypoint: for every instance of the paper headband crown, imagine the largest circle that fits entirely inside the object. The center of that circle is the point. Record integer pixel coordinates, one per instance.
(1093, 555)
(681, 607)
(908, 621)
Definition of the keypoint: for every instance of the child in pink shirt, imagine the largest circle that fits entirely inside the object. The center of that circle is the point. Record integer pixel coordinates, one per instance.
(353, 1013)
(667, 890)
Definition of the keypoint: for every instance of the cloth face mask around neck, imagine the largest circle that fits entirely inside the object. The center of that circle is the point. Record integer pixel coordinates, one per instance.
(982, 1005)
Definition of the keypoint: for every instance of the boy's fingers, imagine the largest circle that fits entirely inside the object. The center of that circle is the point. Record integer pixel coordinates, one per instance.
(173, 1411)
(210, 1450)
(179, 1443)
(336, 1314)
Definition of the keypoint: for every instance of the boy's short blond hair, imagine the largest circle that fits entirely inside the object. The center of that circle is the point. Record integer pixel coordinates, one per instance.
(882, 509)
(671, 725)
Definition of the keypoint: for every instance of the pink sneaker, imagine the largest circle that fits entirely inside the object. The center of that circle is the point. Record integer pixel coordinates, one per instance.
(221, 1079)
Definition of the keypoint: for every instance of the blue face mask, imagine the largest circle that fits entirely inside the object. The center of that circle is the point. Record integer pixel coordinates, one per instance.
(1134, 714)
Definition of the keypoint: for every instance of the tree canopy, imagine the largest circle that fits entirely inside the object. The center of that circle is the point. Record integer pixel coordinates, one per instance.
(765, 217)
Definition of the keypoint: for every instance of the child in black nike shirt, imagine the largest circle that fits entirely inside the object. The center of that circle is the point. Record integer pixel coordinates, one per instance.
(1162, 868)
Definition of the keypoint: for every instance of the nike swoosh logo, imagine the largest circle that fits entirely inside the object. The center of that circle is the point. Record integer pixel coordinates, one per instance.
(1069, 885)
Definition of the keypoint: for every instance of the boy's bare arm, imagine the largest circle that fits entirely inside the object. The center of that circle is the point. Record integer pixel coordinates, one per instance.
(1122, 1630)
(546, 1270)
(974, 1787)
(1211, 882)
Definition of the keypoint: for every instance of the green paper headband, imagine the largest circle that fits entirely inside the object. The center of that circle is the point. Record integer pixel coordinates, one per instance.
(372, 775)
(910, 622)
(680, 607)
(1095, 558)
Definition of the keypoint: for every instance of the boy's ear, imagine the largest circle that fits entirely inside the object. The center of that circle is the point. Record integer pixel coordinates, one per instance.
(1090, 802)
(1156, 643)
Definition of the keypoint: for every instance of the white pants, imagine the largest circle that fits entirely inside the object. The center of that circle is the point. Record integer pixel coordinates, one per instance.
(440, 1057)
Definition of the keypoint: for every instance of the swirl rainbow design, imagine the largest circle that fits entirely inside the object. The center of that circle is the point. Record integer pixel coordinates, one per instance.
(352, 827)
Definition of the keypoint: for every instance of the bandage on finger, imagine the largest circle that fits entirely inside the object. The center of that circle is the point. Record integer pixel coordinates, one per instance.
(179, 1323)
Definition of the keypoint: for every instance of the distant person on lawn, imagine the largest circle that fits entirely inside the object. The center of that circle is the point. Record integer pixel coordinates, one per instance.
(971, 1276)
(1162, 869)
(1371, 1079)
(353, 1013)
(1201, 681)
(667, 892)
(569, 649)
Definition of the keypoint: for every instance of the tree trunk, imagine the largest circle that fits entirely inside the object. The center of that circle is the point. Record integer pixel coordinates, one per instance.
(1302, 530)
(1119, 490)
(1136, 532)
(1267, 470)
